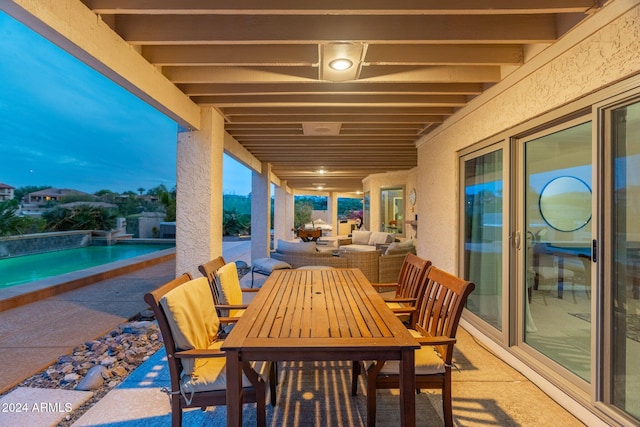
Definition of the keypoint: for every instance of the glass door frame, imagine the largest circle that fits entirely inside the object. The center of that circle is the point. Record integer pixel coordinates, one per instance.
(546, 366)
(476, 151)
(603, 387)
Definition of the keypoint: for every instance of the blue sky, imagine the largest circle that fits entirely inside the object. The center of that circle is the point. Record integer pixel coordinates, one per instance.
(65, 125)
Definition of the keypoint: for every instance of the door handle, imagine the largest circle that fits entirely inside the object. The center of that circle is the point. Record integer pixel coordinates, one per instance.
(516, 239)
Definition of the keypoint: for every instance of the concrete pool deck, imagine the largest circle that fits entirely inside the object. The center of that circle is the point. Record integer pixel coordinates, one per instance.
(34, 335)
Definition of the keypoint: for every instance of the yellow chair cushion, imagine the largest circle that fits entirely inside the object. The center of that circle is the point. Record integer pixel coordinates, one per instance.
(402, 316)
(427, 361)
(211, 374)
(192, 317)
(208, 374)
(230, 284)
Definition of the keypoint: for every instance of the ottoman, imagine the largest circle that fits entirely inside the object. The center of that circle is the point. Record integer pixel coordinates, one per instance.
(266, 266)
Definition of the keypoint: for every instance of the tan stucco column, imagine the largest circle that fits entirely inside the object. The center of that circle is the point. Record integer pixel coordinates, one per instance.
(261, 212)
(199, 193)
(332, 210)
(283, 213)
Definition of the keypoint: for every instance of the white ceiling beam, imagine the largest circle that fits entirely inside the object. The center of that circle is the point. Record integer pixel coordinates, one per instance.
(434, 74)
(266, 29)
(377, 7)
(272, 55)
(200, 89)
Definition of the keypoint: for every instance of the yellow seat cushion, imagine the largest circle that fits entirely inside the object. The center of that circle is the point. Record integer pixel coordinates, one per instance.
(211, 374)
(192, 317)
(402, 316)
(230, 284)
(427, 361)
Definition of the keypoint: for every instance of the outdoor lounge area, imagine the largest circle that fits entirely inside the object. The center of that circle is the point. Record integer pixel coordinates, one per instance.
(499, 140)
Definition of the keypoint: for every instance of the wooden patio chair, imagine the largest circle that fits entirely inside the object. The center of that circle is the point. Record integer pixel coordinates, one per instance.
(210, 271)
(403, 295)
(232, 295)
(435, 328)
(190, 326)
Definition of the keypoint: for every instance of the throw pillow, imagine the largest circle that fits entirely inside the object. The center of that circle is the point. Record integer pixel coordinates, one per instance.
(360, 237)
(380, 237)
(396, 248)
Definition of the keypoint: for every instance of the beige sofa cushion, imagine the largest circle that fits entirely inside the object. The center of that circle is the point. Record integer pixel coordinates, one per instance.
(192, 317)
(360, 237)
(357, 248)
(380, 237)
(397, 248)
(296, 247)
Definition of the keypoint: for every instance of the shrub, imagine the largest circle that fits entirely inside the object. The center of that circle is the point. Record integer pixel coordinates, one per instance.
(83, 217)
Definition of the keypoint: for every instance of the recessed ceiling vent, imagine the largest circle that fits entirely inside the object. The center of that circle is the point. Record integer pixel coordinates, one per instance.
(321, 129)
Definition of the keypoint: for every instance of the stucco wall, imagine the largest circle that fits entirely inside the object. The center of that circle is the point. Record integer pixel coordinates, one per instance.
(199, 197)
(373, 184)
(608, 51)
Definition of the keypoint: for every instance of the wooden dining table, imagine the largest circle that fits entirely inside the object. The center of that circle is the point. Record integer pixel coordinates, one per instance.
(311, 315)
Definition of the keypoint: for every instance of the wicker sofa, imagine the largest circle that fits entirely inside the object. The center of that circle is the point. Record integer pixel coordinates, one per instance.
(300, 254)
(376, 266)
(363, 241)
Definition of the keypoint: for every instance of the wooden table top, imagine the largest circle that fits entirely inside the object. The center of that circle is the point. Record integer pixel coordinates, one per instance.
(335, 312)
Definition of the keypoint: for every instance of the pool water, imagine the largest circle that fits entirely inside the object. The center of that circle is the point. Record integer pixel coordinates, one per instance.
(28, 268)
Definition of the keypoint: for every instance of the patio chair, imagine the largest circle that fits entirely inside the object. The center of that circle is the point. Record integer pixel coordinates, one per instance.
(403, 295)
(190, 326)
(435, 329)
(232, 295)
(210, 271)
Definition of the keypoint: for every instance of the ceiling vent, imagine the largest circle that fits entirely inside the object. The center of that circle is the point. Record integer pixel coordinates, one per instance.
(321, 129)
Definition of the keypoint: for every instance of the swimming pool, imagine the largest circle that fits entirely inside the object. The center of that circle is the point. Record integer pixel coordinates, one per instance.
(28, 268)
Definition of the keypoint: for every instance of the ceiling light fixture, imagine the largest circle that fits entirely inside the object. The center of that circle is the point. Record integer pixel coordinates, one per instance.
(341, 64)
(340, 61)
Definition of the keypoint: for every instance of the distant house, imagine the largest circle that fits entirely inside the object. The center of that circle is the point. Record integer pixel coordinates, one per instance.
(35, 203)
(51, 194)
(6, 192)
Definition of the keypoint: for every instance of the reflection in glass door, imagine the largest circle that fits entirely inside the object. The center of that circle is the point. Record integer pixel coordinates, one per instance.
(557, 247)
(624, 336)
(482, 257)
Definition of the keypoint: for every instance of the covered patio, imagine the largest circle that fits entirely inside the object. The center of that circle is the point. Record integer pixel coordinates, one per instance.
(423, 85)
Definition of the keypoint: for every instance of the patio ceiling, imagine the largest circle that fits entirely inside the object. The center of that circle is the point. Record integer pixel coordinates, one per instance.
(263, 65)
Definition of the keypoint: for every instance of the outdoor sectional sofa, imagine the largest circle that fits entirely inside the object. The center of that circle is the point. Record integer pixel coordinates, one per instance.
(377, 265)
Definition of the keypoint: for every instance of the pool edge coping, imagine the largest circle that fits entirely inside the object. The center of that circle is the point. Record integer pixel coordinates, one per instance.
(34, 291)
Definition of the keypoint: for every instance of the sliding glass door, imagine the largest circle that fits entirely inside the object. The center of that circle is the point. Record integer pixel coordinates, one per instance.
(482, 249)
(622, 302)
(550, 233)
(556, 230)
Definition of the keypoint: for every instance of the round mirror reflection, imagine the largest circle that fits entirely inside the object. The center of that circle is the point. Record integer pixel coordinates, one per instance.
(565, 203)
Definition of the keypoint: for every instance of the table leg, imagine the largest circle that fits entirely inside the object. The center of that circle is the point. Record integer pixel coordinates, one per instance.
(408, 389)
(234, 389)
